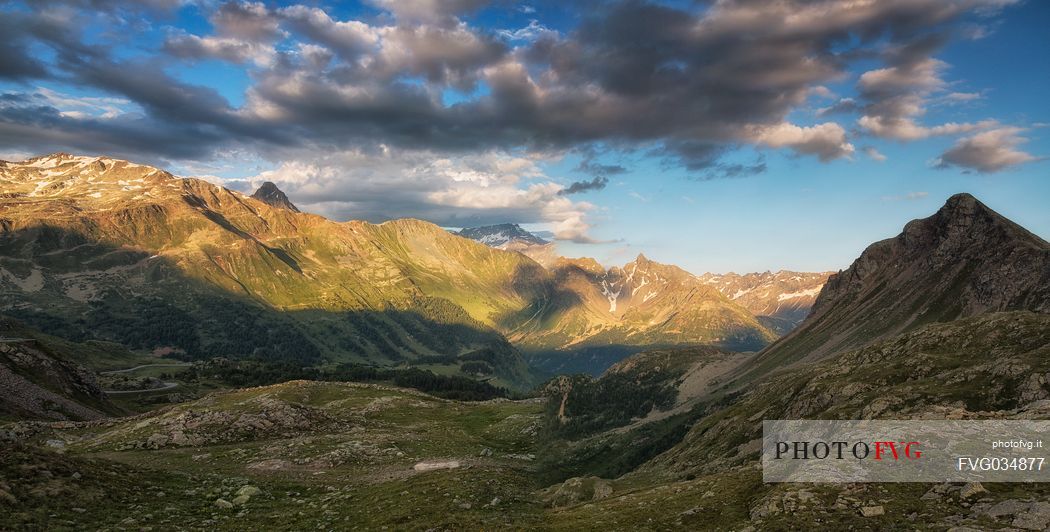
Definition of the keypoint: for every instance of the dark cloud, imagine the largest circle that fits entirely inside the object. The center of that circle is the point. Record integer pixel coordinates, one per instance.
(687, 81)
(589, 166)
(578, 187)
(249, 21)
(28, 122)
(15, 62)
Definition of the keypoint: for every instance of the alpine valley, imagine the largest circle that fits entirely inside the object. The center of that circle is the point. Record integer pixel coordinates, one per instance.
(103, 249)
(177, 355)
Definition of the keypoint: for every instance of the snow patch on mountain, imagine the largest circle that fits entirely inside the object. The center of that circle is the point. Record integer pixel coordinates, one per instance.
(811, 292)
(612, 296)
(502, 235)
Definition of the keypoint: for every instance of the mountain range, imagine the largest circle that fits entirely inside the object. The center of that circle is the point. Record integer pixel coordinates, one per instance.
(101, 248)
(779, 300)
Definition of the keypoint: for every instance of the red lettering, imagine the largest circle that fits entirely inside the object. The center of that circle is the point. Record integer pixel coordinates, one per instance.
(878, 449)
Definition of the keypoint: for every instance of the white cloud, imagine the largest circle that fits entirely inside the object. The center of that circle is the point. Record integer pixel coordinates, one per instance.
(529, 33)
(898, 95)
(827, 140)
(349, 38)
(82, 107)
(460, 191)
(230, 49)
(908, 129)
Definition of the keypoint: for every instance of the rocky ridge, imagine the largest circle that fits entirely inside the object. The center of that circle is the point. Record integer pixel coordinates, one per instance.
(963, 261)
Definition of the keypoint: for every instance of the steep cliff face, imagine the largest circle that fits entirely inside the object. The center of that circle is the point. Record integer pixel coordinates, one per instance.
(965, 260)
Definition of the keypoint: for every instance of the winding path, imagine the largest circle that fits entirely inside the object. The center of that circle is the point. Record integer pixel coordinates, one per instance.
(167, 385)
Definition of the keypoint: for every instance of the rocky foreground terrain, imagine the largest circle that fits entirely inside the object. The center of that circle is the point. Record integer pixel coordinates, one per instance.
(341, 455)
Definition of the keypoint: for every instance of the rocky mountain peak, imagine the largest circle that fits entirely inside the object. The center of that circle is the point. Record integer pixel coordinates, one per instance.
(964, 260)
(269, 193)
(502, 235)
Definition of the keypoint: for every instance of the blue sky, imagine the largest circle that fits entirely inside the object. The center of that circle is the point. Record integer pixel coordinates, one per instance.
(732, 137)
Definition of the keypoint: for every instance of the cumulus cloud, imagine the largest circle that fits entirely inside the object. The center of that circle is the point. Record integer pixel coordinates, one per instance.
(350, 39)
(987, 152)
(244, 31)
(827, 141)
(228, 49)
(897, 95)
(250, 21)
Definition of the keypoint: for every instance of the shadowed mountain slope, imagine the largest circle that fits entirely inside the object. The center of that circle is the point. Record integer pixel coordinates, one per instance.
(40, 378)
(965, 260)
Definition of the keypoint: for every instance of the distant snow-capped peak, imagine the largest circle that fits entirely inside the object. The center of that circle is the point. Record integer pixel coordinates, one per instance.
(501, 235)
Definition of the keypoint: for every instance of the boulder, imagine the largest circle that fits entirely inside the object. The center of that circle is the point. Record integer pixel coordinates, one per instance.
(971, 489)
(435, 465)
(1037, 517)
(872, 511)
(248, 491)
